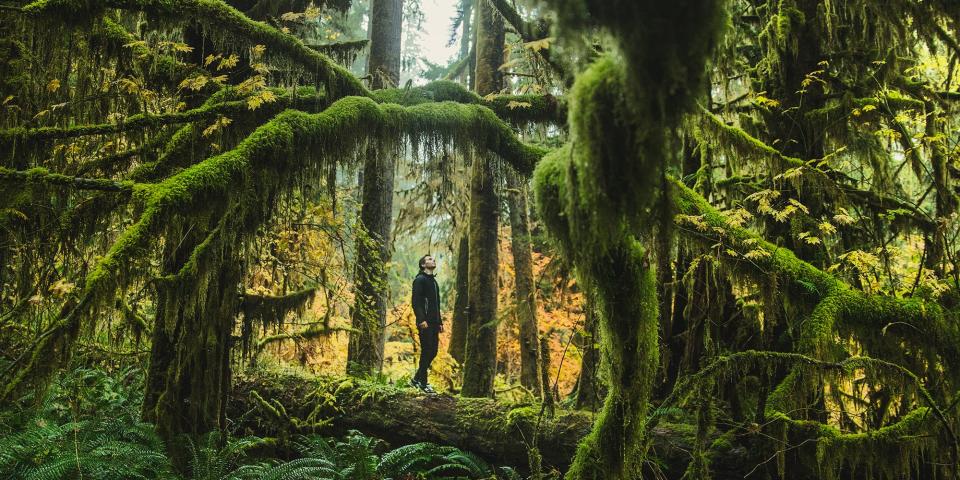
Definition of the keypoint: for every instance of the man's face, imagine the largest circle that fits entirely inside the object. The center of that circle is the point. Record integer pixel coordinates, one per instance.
(429, 263)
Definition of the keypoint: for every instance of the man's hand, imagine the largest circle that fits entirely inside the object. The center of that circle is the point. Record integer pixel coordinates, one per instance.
(422, 325)
(441, 327)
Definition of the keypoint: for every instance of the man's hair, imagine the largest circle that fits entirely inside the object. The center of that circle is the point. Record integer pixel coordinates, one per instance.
(423, 260)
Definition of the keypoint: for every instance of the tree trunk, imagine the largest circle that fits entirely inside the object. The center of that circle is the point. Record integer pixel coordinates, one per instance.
(481, 353)
(526, 306)
(458, 329)
(466, 38)
(626, 291)
(369, 314)
(383, 63)
(188, 380)
(589, 393)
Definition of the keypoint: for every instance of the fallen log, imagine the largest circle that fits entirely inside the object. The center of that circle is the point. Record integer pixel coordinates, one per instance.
(280, 405)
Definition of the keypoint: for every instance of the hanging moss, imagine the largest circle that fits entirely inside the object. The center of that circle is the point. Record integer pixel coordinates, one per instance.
(112, 38)
(839, 309)
(221, 18)
(344, 53)
(893, 451)
(270, 310)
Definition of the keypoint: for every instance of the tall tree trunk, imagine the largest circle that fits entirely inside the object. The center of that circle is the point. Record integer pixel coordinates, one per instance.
(459, 324)
(589, 393)
(481, 354)
(369, 315)
(383, 63)
(526, 299)
(466, 38)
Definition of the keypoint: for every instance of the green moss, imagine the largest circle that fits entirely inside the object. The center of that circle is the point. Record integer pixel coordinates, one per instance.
(519, 110)
(221, 18)
(43, 176)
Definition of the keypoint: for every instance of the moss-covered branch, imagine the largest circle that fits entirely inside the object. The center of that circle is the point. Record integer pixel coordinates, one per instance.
(220, 17)
(187, 145)
(516, 109)
(343, 52)
(44, 176)
(838, 308)
(134, 122)
(309, 333)
(529, 31)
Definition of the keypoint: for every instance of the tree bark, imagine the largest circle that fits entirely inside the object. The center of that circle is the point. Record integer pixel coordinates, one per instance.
(481, 352)
(526, 306)
(189, 377)
(458, 329)
(589, 393)
(369, 315)
(383, 64)
(465, 39)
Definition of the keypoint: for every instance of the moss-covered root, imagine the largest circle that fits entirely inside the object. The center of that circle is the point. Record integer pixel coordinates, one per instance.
(627, 296)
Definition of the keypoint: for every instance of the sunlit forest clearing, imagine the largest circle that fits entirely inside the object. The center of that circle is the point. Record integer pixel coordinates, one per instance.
(622, 239)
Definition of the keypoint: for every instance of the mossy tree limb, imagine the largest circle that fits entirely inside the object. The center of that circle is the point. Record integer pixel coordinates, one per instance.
(837, 307)
(337, 80)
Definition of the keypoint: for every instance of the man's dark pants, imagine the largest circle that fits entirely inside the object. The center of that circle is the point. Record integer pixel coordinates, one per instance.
(429, 341)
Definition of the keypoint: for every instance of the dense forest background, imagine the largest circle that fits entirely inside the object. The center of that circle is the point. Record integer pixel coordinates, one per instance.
(690, 239)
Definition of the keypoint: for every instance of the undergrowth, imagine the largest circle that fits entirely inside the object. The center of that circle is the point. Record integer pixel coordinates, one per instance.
(88, 427)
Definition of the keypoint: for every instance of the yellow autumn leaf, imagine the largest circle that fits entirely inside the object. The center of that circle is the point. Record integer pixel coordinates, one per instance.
(61, 287)
(537, 45)
(228, 62)
(756, 254)
(53, 85)
(512, 104)
(827, 228)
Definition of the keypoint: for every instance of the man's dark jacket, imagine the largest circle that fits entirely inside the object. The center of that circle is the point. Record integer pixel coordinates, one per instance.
(426, 299)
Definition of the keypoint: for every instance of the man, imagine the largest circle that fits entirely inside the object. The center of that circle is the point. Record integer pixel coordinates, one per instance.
(426, 309)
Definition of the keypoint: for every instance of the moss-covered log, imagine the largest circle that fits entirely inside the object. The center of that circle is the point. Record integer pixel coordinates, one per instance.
(498, 432)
